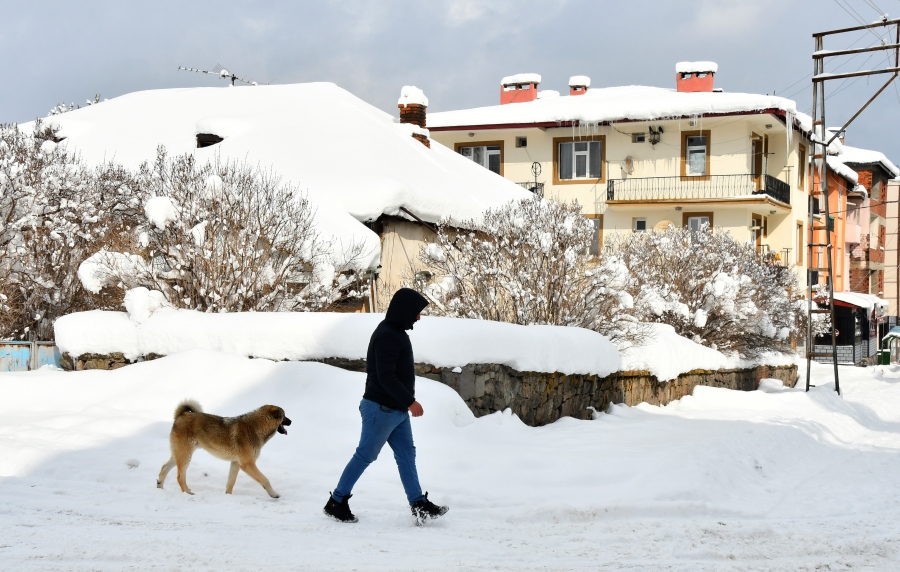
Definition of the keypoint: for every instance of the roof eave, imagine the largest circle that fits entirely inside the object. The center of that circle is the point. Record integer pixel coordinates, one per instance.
(577, 122)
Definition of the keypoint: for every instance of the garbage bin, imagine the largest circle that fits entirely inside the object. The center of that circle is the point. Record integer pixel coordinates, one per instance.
(884, 357)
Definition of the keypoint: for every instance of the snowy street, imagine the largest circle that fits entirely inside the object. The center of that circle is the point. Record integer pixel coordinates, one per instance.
(769, 480)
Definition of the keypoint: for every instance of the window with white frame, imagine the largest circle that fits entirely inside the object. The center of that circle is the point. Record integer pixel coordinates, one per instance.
(695, 223)
(488, 156)
(580, 160)
(695, 156)
(639, 224)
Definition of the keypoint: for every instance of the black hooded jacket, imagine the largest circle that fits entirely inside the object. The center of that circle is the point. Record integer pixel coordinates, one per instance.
(390, 367)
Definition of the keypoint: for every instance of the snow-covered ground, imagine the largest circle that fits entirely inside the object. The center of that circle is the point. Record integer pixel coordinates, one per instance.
(722, 480)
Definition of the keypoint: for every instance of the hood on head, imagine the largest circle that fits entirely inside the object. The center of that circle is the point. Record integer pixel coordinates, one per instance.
(405, 306)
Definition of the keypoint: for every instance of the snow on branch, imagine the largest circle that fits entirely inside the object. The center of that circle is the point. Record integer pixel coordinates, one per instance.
(528, 263)
(54, 213)
(228, 237)
(711, 289)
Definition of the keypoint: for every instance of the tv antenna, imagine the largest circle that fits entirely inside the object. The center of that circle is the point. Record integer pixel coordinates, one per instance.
(221, 72)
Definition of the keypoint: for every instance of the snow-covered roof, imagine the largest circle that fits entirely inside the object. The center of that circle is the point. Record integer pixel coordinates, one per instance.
(867, 301)
(521, 78)
(352, 160)
(580, 80)
(696, 67)
(412, 94)
(857, 155)
(547, 93)
(838, 166)
(612, 104)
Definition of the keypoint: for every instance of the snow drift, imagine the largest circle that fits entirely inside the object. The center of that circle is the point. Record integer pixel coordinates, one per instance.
(442, 342)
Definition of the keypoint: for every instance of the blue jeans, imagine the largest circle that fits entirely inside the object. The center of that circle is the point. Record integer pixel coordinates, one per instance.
(382, 425)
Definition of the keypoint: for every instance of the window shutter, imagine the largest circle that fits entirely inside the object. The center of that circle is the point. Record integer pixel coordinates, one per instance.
(595, 163)
(565, 160)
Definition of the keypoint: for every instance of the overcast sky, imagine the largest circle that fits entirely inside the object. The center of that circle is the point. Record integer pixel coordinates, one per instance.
(455, 50)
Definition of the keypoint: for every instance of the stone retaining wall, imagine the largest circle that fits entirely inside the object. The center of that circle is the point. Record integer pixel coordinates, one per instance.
(539, 398)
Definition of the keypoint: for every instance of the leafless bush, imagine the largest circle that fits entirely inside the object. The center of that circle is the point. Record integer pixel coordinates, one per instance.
(228, 237)
(528, 263)
(54, 213)
(710, 288)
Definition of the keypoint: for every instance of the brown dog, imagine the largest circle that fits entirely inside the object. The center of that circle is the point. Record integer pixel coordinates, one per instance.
(237, 439)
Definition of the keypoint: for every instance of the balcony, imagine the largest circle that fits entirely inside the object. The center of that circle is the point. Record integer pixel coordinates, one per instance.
(536, 188)
(712, 187)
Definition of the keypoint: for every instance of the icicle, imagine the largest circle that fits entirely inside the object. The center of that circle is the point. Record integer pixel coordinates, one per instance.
(789, 120)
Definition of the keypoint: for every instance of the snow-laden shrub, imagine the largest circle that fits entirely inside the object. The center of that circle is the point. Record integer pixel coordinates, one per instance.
(54, 213)
(527, 263)
(226, 237)
(710, 288)
(61, 108)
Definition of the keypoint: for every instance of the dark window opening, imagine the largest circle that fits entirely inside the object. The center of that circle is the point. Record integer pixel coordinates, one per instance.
(207, 140)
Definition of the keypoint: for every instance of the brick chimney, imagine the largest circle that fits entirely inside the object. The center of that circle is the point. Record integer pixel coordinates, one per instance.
(579, 84)
(691, 77)
(519, 88)
(412, 104)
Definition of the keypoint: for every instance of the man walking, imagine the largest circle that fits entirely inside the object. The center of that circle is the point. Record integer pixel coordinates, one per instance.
(387, 403)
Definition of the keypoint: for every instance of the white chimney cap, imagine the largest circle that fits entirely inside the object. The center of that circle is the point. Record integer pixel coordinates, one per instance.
(521, 78)
(412, 94)
(696, 67)
(579, 81)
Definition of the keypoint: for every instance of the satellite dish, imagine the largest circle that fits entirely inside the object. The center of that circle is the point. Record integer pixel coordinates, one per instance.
(664, 225)
(629, 164)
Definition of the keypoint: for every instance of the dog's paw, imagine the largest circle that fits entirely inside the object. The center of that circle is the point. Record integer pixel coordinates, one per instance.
(158, 484)
(274, 495)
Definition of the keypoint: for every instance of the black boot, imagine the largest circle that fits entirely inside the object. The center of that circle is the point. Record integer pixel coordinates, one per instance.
(340, 510)
(425, 509)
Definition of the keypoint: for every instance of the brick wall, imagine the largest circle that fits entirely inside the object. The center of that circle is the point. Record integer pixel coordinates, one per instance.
(859, 280)
(413, 113)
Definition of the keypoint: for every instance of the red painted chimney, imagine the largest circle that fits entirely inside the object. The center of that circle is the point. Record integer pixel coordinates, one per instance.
(413, 105)
(519, 88)
(579, 84)
(693, 77)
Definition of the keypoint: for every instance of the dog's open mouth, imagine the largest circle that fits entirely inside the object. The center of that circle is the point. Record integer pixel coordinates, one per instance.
(281, 428)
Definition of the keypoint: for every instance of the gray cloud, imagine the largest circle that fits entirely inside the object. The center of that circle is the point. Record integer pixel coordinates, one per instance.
(456, 50)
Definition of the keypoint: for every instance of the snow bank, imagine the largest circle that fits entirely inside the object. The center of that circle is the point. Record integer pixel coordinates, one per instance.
(347, 156)
(667, 355)
(443, 342)
(708, 483)
(696, 67)
(637, 103)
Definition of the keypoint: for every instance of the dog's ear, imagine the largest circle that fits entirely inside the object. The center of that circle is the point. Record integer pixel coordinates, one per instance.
(276, 411)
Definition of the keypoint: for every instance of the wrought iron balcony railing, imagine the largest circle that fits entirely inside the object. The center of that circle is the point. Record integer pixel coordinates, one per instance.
(536, 188)
(712, 187)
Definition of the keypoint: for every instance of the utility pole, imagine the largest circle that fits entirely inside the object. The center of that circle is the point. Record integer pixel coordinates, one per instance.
(820, 143)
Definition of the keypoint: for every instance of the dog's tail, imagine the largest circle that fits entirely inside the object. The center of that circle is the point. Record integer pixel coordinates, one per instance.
(187, 406)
